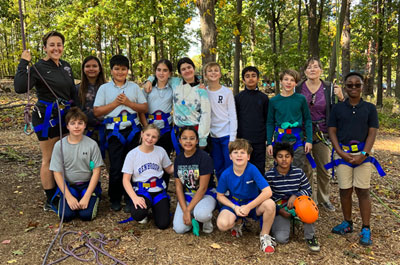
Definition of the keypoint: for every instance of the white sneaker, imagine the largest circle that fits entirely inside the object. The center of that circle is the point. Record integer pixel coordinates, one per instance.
(267, 244)
(144, 221)
(208, 227)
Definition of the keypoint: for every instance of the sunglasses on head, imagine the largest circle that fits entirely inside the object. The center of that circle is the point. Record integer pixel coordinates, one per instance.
(353, 85)
(312, 102)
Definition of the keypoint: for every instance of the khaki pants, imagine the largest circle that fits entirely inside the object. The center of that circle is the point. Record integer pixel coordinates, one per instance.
(321, 154)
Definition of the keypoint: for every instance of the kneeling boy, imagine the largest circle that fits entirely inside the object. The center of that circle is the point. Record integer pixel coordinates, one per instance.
(244, 182)
(288, 183)
(82, 161)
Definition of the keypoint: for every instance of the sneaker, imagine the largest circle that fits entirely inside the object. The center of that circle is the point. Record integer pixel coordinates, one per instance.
(127, 208)
(267, 244)
(144, 221)
(116, 206)
(50, 207)
(343, 228)
(313, 244)
(365, 237)
(328, 206)
(236, 231)
(208, 227)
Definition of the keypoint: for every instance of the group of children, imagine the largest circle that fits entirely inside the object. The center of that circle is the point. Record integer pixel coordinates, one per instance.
(241, 128)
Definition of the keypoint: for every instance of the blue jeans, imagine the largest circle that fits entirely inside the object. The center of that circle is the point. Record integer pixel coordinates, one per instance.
(220, 154)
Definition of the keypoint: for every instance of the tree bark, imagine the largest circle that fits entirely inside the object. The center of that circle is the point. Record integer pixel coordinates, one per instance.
(388, 50)
(333, 61)
(299, 28)
(208, 30)
(313, 31)
(397, 90)
(238, 50)
(381, 13)
(370, 69)
(346, 42)
(252, 38)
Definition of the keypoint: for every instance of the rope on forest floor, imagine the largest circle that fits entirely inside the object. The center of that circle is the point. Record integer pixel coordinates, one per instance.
(93, 242)
(385, 205)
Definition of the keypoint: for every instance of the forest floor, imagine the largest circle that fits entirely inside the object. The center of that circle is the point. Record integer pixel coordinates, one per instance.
(26, 231)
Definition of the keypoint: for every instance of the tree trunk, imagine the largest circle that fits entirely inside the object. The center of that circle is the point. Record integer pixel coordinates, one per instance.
(381, 12)
(252, 38)
(370, 69)
(208, 30)
(398, 54)
(333, 60)
(388, 50)
(153, 41)
(238, 50)
(299, 28)
(313, 31)
(346, 42)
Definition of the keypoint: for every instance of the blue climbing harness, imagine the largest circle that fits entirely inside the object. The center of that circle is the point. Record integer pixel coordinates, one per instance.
(354, 148)
(299, 142)
(115, 132)
(143, 188)
(75, 192)
(158, 116)
(48, 120)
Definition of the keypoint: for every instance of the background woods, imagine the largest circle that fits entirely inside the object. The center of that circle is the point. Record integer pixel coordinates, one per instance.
(271, 34)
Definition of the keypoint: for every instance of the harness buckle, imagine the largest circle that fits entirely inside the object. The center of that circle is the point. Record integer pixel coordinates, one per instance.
(53, 122)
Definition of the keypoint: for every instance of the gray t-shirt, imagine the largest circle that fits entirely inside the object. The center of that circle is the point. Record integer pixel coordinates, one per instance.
(77, 159)
(160, 100)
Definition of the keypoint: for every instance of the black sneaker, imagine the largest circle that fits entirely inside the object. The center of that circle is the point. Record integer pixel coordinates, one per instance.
(116, 206)
(51, 206)
(313, 244)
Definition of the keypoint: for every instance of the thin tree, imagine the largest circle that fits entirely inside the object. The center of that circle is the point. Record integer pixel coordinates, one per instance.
(238, 49)
(398, 54)
(346, 41)
(208, 30)
(381, 12)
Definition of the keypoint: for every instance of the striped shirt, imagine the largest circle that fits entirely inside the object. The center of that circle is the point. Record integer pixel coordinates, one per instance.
(294, 182)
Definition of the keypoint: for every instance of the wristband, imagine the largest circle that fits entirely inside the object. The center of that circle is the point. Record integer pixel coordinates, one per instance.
(234, 207)
(365, 153)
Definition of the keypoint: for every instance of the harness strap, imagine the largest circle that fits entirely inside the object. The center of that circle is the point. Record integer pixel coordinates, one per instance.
(295, 132)
(144, 186)
(48, 122)
(157, 116)
(78, 195)
(115, 132)
(208, 192)
(369, 159)
(354, 148)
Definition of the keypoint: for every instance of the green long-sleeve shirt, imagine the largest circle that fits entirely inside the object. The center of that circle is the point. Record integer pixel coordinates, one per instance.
(288, 109)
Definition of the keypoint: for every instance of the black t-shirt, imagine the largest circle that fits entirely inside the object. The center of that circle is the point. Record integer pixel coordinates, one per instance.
(353, 122)
(189, 169)
(252, 112)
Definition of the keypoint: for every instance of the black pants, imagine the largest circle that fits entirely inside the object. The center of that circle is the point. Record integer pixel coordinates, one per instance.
(258, 156)
(117, 153)
(166, 143)
(160, 211)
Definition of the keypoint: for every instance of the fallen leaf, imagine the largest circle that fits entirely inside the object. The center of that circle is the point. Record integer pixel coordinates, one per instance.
(215, 245)
(12, 261)
(18, 252)
(21, 212)
(29, 229)
(7, 241)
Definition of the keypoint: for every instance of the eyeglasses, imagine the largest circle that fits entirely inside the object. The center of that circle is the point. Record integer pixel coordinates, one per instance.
(312, 102)
(353, 85)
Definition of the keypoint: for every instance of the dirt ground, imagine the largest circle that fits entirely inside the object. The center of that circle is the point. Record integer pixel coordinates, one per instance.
(26, 230)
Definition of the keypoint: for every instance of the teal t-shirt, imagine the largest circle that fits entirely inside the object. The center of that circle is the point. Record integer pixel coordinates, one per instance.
(290, 109)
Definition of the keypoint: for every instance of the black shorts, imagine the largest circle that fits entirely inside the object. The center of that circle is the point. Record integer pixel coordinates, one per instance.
(52, 131)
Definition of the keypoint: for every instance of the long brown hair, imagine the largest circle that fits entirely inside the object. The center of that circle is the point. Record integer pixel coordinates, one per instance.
(83, 88)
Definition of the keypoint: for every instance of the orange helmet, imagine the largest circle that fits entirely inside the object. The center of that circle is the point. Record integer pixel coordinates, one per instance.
(306, 209)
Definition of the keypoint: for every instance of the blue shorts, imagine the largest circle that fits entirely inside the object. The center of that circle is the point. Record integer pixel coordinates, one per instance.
(252, 214)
